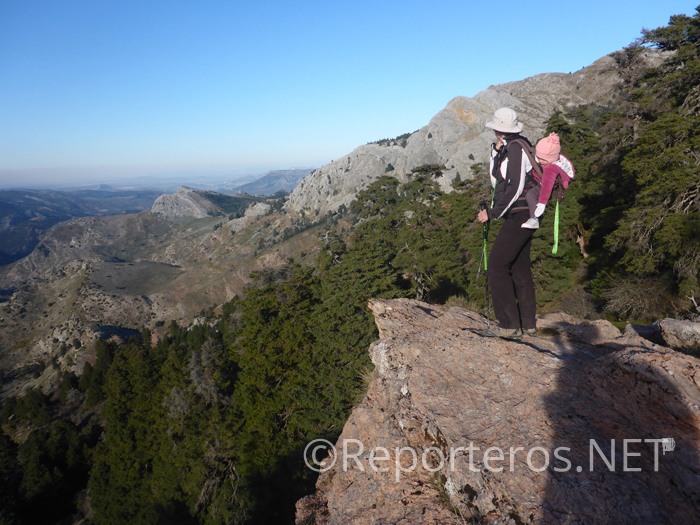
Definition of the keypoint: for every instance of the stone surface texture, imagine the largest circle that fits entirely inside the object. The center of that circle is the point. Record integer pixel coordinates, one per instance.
(679, 334)
(439, 385)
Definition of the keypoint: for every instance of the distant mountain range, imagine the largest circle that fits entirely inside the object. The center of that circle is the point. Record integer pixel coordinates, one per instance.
(274, 181)
(238, 321)
(26, 215)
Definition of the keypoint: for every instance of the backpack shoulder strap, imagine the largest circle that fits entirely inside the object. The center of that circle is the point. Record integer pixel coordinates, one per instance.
(530, 152)
(559, 188)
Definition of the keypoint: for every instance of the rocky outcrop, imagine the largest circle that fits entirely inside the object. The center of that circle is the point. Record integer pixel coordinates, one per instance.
(681, 335)
(456, 137)
(674, 333)
(253, 213)
(578, 425)
(187, 202)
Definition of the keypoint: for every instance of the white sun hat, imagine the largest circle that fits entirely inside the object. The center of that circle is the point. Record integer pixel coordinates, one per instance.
(505, 120)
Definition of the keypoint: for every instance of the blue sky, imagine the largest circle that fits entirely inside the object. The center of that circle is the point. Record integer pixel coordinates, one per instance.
(104, 90)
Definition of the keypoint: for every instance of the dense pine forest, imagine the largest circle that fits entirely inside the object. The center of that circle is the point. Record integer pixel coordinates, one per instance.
(208, 426)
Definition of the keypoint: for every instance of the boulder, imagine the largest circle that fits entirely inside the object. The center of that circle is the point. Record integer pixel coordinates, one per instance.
(674, 333)
(650, 332)
(580, 424)
(680, 335)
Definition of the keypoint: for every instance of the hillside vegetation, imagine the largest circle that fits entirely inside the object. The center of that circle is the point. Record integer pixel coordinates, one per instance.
(209, 425)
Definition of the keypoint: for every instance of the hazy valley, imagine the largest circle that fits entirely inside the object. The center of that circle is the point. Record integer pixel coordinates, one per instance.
(135, 271)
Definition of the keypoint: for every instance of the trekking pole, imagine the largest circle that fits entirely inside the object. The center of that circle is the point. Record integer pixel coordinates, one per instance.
(481, 262)
(484, 258)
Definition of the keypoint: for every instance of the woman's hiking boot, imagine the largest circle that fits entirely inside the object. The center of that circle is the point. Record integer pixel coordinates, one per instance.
(532, 332)
(531, 224)
(513, 334)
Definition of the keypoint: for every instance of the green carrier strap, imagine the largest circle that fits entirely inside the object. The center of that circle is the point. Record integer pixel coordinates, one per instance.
(556, 230)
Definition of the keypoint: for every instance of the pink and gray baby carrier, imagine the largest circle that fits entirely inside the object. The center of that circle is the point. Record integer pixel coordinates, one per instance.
(564, 175)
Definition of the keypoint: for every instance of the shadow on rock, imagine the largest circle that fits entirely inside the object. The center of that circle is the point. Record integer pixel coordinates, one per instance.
(626, 435)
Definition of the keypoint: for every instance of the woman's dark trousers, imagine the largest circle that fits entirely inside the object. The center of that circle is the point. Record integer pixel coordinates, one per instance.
(510, 277)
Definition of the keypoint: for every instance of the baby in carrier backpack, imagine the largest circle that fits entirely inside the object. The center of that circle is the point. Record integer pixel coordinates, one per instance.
(554, 164)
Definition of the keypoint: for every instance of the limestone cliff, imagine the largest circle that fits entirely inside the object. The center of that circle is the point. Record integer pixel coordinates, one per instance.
(578, 425)
(456, 136)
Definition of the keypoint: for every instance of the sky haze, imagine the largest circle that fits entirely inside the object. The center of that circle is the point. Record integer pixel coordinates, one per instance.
(96, 90)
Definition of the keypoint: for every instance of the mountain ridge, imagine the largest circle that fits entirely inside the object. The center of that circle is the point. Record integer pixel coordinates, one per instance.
(456, 137)
(196, 229)
(26, 215)
(208, 415)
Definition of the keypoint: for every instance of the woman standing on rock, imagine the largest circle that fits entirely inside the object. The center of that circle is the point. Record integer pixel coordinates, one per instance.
(509, 274)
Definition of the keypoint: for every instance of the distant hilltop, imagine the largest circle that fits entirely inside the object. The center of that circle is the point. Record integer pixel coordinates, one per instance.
(191, 202)
(187, 202)
(274, 181)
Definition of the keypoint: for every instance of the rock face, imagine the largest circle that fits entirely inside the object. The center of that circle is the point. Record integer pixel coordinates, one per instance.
(254, 212)
(674, 333)
(578, 425)
(456, 136)
(449, 139)
(681, 335)
(185, 203)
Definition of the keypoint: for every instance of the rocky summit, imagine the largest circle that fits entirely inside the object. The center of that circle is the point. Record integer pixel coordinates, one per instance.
(187, 202)
(581, 424)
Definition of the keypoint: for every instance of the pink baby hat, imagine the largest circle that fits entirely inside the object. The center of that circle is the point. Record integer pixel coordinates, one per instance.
(549, 148)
